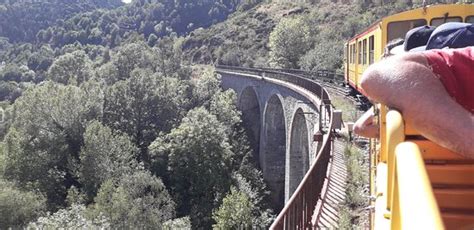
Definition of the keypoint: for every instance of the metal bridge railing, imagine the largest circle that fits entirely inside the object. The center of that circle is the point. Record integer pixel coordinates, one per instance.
(298, 211)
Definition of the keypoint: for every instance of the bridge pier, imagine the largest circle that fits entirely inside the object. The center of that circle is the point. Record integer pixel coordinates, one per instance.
(273, 150)
(251, 119)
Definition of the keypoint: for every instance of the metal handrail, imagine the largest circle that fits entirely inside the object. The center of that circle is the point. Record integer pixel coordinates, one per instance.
(414, 205)
(298, 211)
(321, 74)
(395, 135)
(409, 197)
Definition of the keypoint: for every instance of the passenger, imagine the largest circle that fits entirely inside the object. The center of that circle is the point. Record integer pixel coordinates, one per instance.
(366, 125)
(434, 89)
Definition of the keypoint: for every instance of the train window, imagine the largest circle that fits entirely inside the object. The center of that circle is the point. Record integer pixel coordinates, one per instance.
(352, 54)
(346, 53)
(364, 52)
(359, 51)
(470, 19)
(349, 54)
(399, 29)
(371, 49)
(439, 21)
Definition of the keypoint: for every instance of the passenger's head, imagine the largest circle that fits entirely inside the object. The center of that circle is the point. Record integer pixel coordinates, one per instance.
(417, 37)
(449, 35)
(393, 47)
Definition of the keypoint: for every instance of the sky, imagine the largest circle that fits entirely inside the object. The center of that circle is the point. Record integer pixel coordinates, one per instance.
(126, 1)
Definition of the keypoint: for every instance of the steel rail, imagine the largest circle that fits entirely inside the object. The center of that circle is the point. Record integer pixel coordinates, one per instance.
(298, 211)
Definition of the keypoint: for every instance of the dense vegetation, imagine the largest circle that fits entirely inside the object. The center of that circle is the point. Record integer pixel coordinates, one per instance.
(308, 34)
(105, 126)
(106, 122)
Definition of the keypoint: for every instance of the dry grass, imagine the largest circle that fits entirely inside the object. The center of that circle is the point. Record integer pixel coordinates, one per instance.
(350, 213)
(349, 111)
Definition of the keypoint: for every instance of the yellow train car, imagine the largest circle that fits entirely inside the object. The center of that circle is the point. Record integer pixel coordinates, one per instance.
(367, 47)
(415, 183)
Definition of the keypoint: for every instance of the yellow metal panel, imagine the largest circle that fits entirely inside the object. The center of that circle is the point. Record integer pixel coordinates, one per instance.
(432, 151)
(456, 174)
(455, 198)
(409, 130)
(458, 221)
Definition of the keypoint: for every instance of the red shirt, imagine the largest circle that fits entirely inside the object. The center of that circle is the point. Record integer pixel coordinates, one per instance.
(455, 68)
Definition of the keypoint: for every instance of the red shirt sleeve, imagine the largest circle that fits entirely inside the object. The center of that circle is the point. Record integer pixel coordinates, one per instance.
(455, 69)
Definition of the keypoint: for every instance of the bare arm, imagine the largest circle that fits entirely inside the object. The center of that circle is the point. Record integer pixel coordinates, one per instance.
(365, 125)
(407, 83)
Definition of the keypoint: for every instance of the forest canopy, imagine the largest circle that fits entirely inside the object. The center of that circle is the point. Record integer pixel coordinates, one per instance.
(100, 113)
(109, 120)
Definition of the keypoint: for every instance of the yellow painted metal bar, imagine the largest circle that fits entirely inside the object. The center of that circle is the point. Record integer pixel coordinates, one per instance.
(414, 205)
(383, 134)
(395, 136)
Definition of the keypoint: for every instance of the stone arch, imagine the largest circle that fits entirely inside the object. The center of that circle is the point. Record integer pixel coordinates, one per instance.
(274, 151)
(299, 151)
(251, 119)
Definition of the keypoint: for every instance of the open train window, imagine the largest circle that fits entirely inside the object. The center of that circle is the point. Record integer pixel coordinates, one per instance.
(470, 19)
(439, 21)
(359, 51)
(364, 52)
(371, 49)
(399, 29)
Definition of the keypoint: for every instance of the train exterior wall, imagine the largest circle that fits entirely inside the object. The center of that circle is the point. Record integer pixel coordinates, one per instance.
(429, 15)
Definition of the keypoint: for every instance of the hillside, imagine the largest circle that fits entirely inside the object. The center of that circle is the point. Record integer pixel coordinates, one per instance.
(244, 39)
(240, 40)
(21, 20)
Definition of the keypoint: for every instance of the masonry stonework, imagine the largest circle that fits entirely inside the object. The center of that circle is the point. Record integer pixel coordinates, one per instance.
(280, 123)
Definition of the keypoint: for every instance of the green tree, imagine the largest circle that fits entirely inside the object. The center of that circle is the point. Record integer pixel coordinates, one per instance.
(325, 55)
(73, 217)
(105, 155)
(18, 207)
(235, 212)
(144, 105)
(71, 68)
(222, 105)
(43, 144)
(169, 58)
(131, 56)
(138, 200)
(198, 155)
(205, 86)
(183, 223)
(289, 40)
(107, 73)
(42, 59)
(152, 39)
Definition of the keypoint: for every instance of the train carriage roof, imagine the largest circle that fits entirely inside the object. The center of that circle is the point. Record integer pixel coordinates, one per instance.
(427, 12)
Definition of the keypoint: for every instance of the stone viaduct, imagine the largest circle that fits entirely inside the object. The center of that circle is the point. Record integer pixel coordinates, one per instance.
(282, 123)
